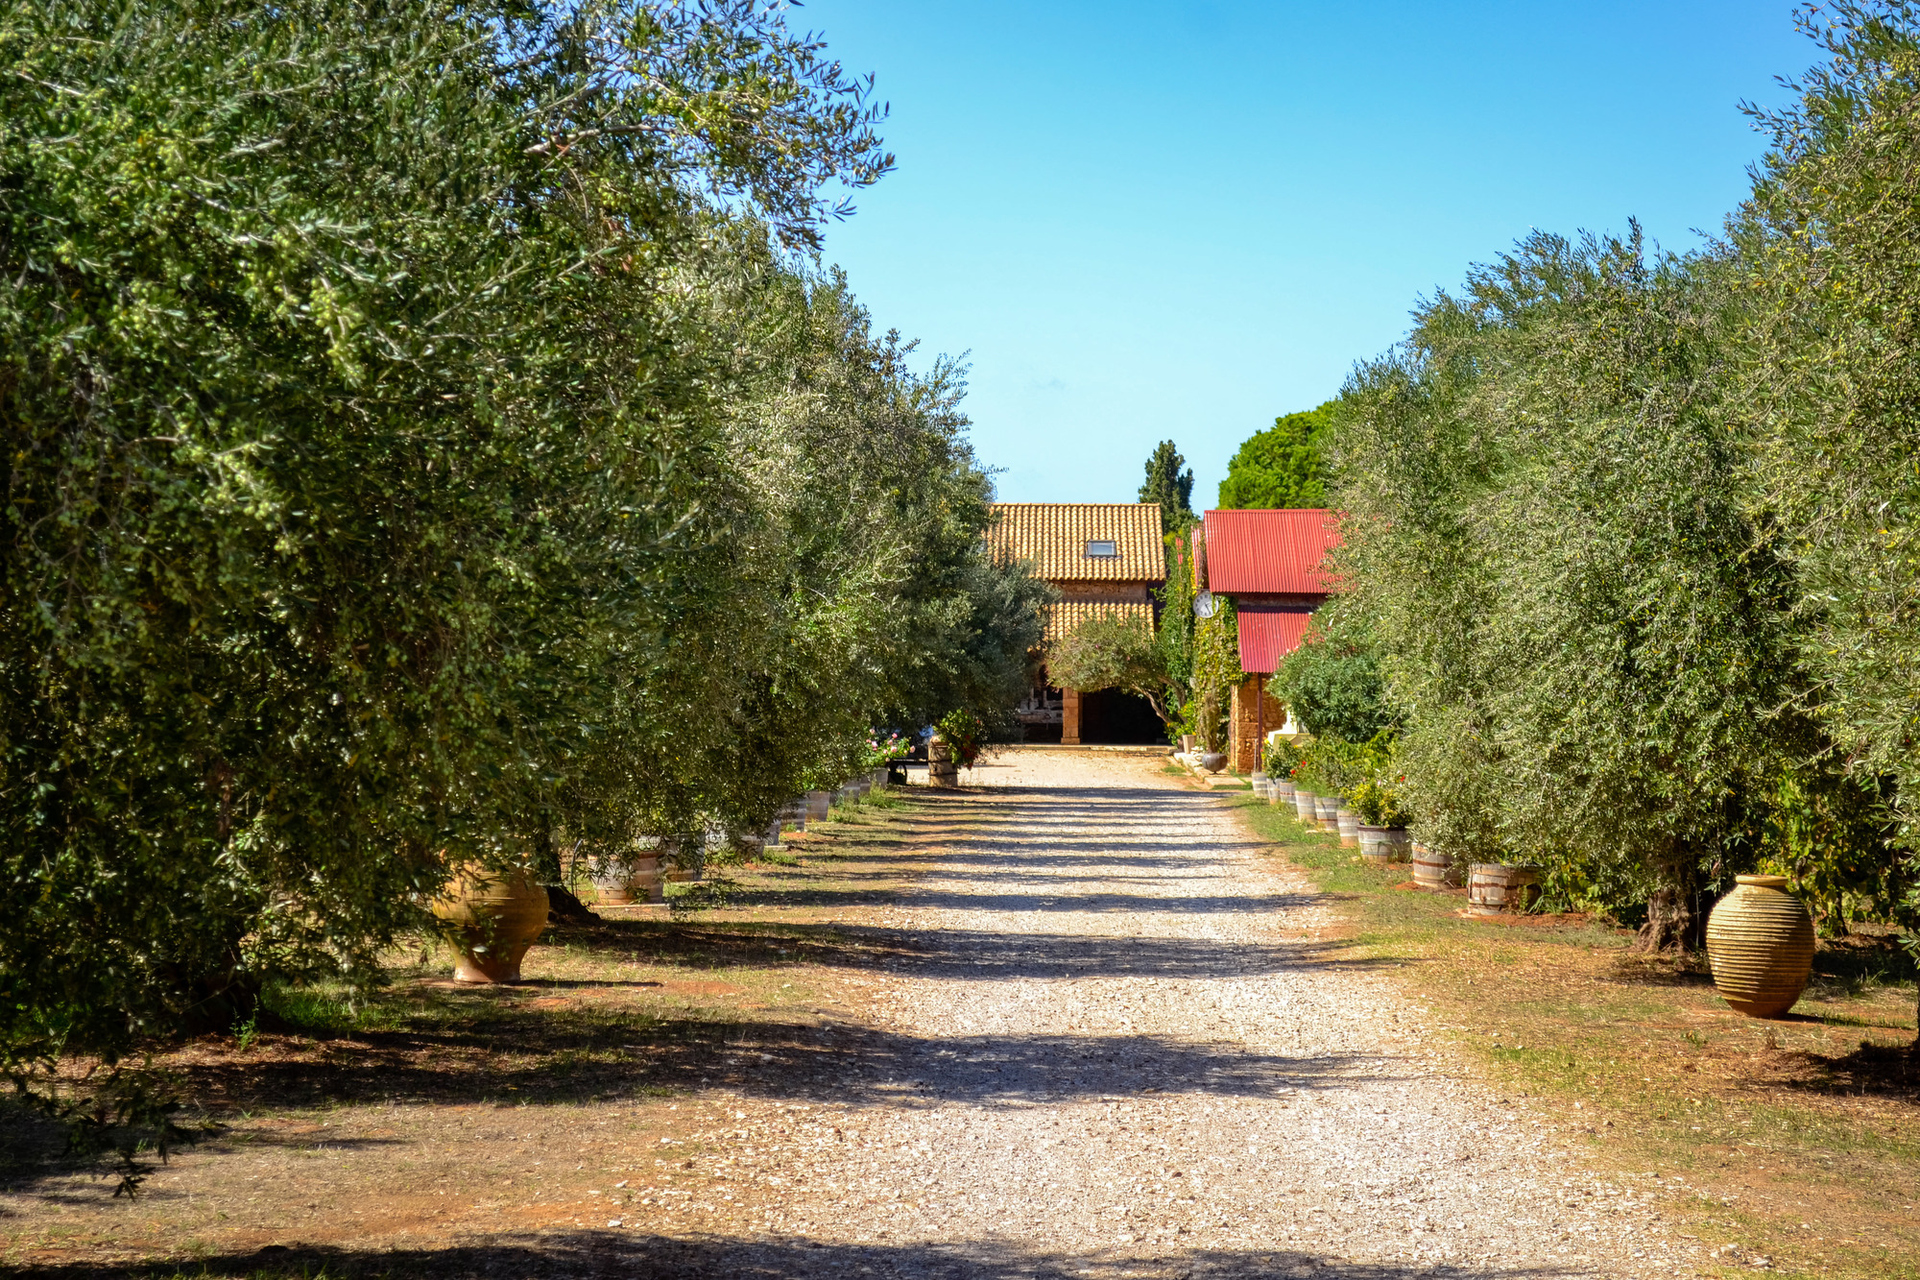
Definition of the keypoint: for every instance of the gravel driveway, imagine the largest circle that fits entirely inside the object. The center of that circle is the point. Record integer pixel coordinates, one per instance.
(1123, 1049)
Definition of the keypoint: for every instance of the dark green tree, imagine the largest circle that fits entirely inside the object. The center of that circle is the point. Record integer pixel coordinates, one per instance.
(1170, 487)
(1118, 653)
(1825, 257)
(1332, 683)
(1281, 466)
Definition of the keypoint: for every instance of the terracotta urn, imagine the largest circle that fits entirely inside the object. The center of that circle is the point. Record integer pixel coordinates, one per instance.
(495, 916)
(1760, 944)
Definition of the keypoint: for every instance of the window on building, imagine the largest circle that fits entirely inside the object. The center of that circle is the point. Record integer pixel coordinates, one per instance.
(1103, 550)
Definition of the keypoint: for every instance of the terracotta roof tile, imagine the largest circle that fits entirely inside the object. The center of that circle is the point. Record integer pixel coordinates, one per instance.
(1068, 616)
(1054, 535)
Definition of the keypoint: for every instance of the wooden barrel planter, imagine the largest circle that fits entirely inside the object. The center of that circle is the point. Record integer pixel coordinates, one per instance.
(1326, 811)
(1760, 944)
(1382, 846)
(1347, 822)
(1304, 803)
(794, 813)
(683, 857)
(941, 771)
(1433, 869)
(625, 883)
(1499, 888)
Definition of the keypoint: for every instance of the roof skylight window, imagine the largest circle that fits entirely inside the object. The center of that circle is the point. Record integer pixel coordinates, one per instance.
(1103, 550)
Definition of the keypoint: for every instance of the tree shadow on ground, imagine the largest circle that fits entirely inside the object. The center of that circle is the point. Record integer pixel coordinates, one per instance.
(961, 953)
(1890, 1072)
(598, 1055)
(593, 1254)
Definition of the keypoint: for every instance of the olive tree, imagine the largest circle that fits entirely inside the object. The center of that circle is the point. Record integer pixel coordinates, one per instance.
(360, 413)
(1543, 481)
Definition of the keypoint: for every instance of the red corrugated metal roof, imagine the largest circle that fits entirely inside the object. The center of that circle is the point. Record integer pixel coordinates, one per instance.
(1268, 633)
(1275, 552)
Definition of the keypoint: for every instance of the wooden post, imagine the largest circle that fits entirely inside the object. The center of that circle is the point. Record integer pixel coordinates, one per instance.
(1069, 717)
(1259, 724)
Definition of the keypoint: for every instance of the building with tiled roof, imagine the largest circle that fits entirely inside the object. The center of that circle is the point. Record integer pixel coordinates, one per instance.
(1272, 565)
(1105, 559)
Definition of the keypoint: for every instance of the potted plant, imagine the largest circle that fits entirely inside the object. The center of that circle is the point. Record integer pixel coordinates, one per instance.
(1383, 823)
(883, 750)
(1281, 756)
(1210, 755)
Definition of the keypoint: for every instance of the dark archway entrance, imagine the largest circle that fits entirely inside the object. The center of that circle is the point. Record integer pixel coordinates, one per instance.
(1114, 717)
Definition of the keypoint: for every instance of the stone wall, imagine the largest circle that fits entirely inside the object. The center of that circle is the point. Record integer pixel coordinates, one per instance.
(1244, 723)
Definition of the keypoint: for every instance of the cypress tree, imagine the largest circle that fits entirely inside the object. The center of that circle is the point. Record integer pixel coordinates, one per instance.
(1169, 486)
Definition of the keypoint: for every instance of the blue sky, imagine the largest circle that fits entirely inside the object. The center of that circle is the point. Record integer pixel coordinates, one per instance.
(1149, 222)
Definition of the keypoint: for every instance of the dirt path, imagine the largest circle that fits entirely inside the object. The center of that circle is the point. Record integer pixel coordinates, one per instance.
(1103, 1035)
(1126, 1051)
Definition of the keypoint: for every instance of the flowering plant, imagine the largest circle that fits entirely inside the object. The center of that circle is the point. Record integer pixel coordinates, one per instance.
(963, 731)
(885, 750)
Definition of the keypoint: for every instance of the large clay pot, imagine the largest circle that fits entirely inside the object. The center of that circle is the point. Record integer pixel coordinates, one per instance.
(1760, 944)
(1280, 792)
(1347, 822)
(1304, 803)
(495, 915)
(817, 802)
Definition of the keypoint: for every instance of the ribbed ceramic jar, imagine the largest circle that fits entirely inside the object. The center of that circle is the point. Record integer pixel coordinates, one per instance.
(495, 915)
(1760, 943)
